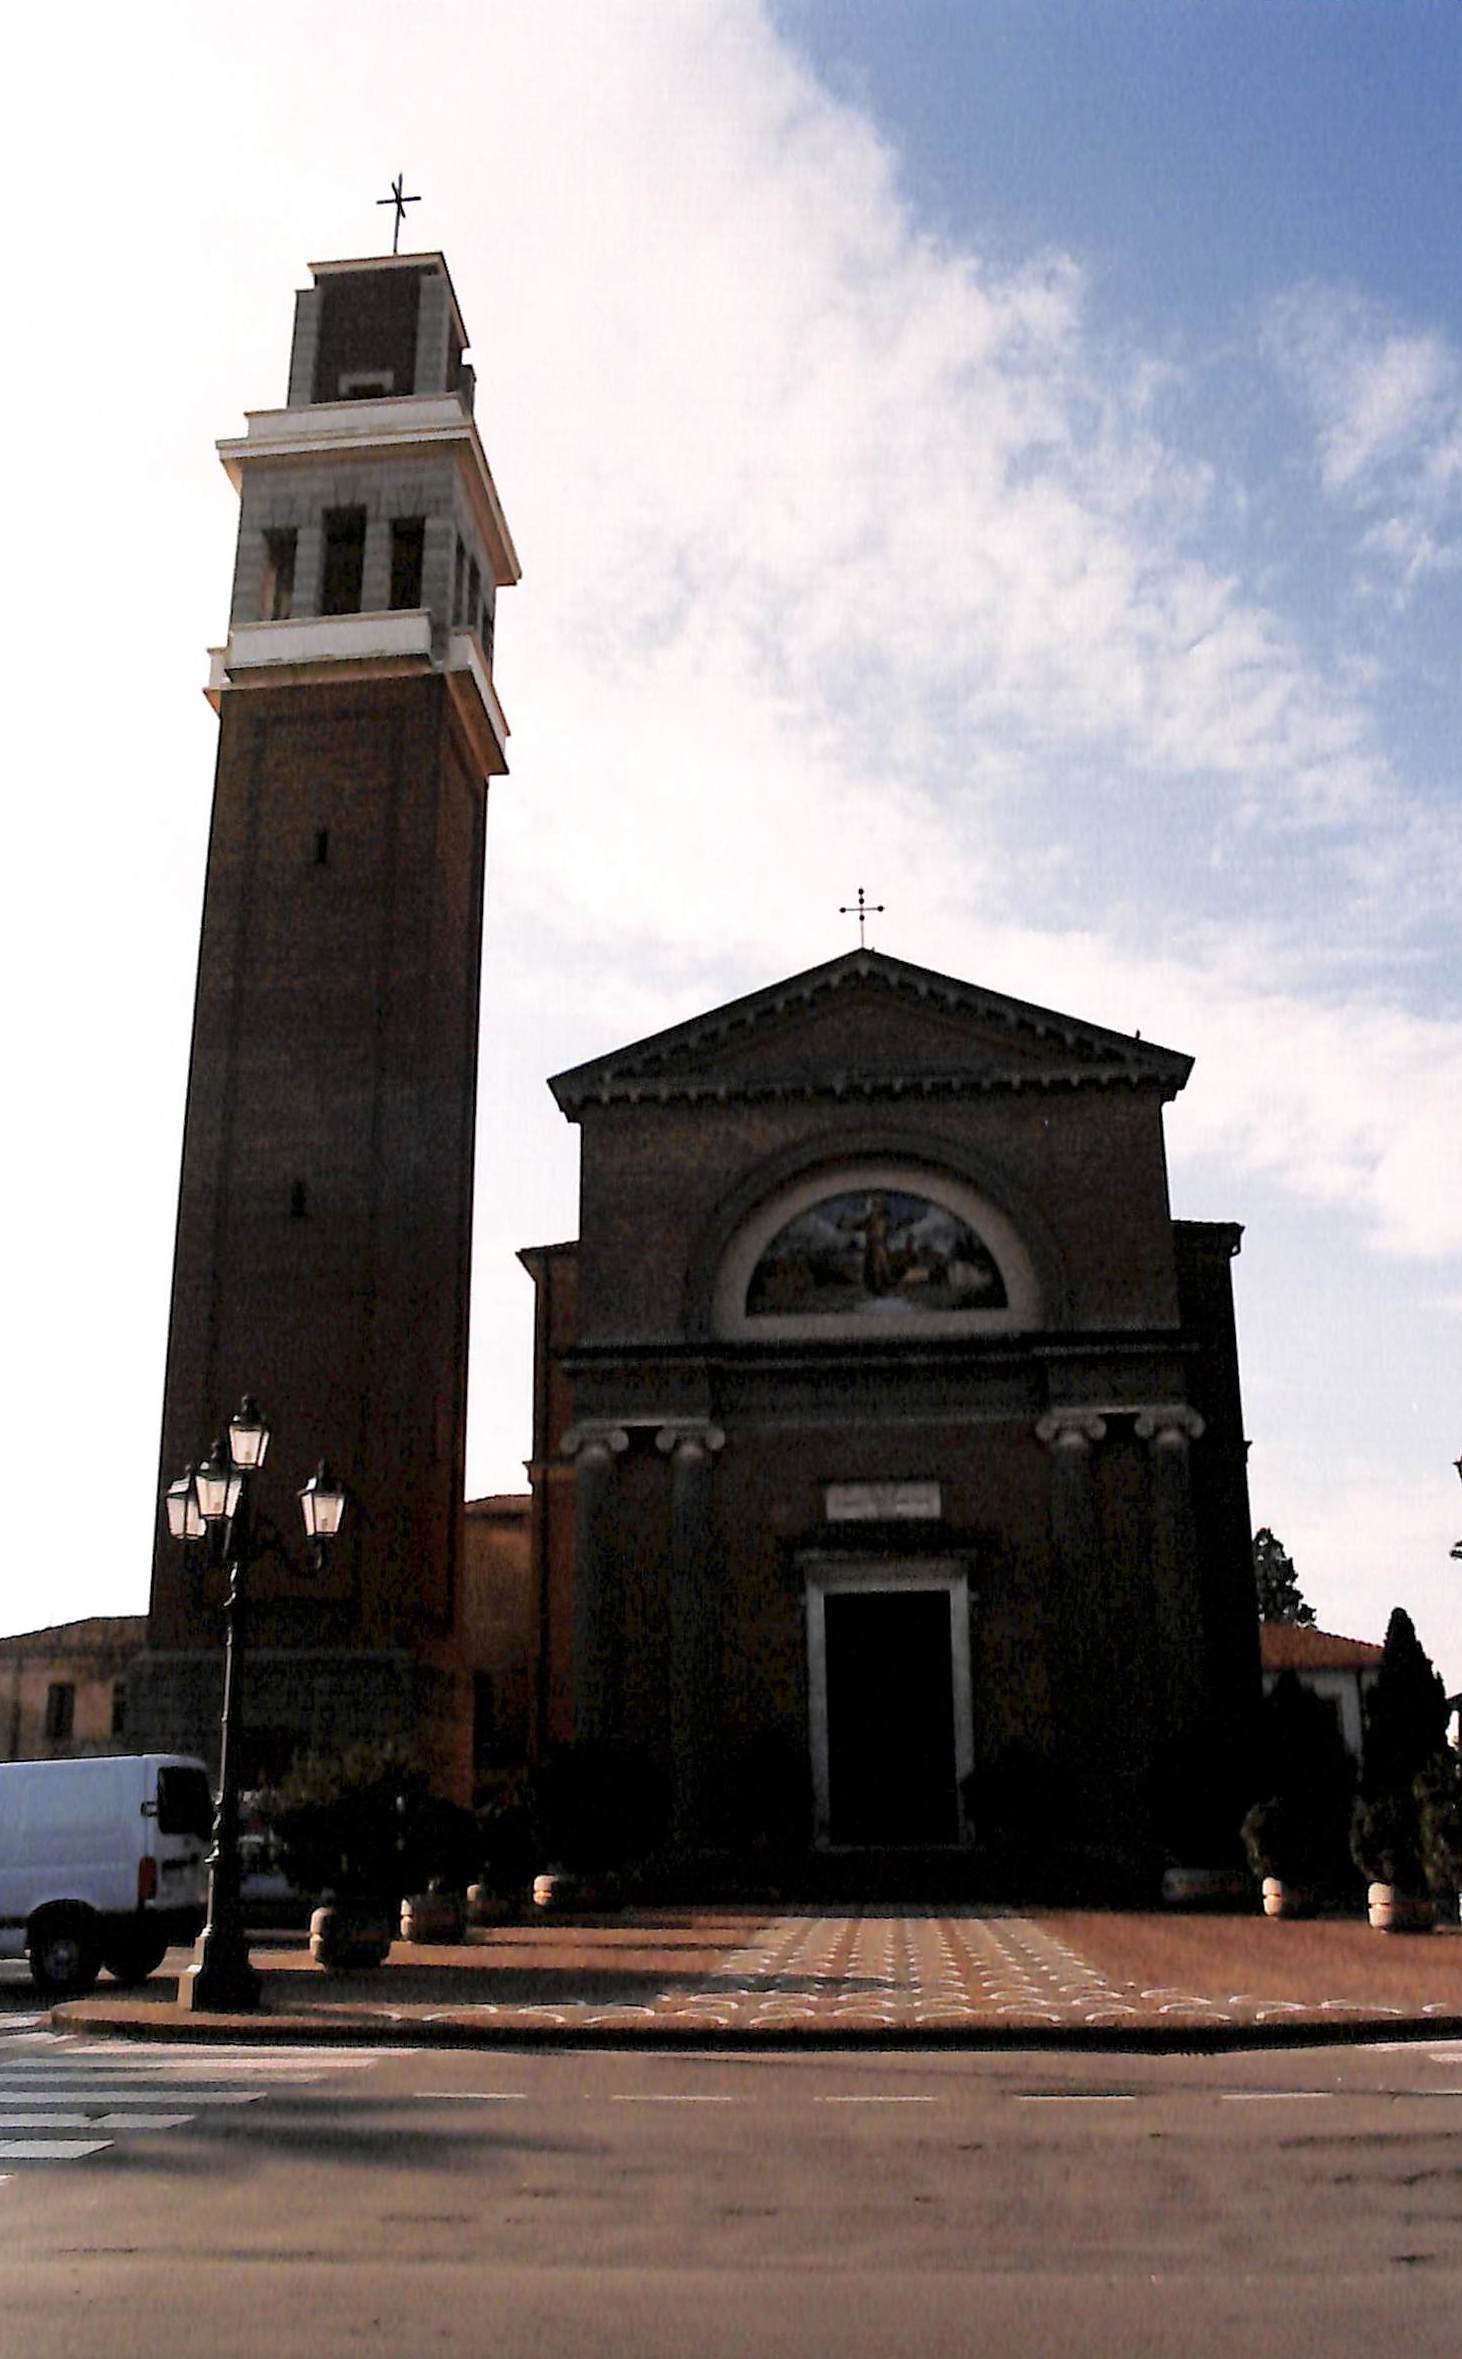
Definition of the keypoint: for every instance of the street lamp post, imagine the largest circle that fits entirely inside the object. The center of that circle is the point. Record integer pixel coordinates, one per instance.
(1456, 1550)
(215, 1501)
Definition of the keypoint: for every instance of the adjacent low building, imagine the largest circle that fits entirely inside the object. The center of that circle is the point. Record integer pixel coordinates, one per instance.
(1342, 1670)
(63, 1690)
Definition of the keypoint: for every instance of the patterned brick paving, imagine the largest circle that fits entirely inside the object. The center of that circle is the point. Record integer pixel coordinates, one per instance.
(900, 1971)
(875, 1970)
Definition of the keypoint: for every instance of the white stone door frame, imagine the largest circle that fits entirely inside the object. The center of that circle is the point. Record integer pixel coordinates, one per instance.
(838, 1576)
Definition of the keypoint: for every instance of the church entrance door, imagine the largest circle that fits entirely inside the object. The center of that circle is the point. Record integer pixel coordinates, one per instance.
(889, 1690)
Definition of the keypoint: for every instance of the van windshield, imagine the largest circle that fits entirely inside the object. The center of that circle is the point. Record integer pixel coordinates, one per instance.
(184, 1803)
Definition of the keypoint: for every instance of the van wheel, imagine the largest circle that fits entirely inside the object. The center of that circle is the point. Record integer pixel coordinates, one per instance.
(65, 1954)
(135, 1957)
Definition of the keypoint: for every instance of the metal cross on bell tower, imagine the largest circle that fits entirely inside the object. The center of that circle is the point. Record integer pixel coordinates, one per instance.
(400, 202)
(862, 910)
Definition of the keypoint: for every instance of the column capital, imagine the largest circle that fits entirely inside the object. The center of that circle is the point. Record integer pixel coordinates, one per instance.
(1170, 1425)
(690, 1437)
(1072, 1430)
(597, 1437)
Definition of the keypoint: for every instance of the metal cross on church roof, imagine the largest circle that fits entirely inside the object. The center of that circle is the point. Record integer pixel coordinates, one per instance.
(400, 203)
(862, 910)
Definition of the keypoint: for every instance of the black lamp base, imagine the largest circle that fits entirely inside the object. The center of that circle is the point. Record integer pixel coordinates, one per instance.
(220, 1980)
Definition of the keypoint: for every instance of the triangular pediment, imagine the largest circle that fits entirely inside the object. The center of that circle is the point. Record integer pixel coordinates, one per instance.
(870, 1026)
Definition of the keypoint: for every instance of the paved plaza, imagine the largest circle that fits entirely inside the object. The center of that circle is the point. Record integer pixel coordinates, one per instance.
(906, 1972)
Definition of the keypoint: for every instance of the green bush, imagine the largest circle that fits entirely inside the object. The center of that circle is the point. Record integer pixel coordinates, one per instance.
(340, 1819)
(1437, 1793)
(1385, 1841)
(1300, 1832)
(1277, 1841)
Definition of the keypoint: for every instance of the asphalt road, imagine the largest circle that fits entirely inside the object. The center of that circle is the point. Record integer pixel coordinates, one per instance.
(344, 2201)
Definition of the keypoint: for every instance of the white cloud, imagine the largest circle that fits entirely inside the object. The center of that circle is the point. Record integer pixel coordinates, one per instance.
(915, 495)
(1386, 403)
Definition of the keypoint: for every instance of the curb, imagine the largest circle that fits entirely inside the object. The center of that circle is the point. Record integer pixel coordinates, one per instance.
(365, 2030)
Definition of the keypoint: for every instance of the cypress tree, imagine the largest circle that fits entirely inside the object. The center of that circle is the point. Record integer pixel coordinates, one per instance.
(1277, 1584)
(1406, 1713)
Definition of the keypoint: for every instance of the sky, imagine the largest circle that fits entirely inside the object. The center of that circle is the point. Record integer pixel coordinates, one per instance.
(1005, 455)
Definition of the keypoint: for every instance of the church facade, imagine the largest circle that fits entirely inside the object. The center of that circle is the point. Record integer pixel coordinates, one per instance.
(887, 1425)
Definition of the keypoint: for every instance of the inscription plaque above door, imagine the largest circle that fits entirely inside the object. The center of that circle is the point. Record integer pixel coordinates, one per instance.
(849, 1503)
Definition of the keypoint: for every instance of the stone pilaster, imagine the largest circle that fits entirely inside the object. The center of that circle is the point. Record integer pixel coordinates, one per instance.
(594, 1449)
(694, 1703)
(1169, 1430)
(1078, 1610)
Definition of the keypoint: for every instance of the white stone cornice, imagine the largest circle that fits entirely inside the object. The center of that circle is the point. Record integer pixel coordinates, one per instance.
(329, 638)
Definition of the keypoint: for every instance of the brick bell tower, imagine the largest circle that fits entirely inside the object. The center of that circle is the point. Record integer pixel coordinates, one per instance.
(325, 1209)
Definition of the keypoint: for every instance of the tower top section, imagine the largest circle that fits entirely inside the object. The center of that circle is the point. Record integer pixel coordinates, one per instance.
(387, 324)
(370, 531)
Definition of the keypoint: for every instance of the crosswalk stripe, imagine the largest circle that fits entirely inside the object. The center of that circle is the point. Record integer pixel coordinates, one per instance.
(120, 2068)
(316, 2057)
(46, 2121)
(51, 2084)
(141, 2121)
(110, 2094)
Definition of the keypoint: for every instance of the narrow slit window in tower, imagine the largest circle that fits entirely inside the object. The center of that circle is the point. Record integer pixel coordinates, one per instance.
(345, 532)
(276, 589)
(408, 544)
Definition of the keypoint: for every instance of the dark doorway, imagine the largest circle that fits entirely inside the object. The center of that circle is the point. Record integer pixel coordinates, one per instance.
(890, 1717)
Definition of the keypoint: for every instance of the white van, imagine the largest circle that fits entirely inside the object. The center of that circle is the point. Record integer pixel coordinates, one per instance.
(102, 1863)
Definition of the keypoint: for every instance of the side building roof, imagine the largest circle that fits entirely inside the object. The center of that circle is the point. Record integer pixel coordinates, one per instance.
(1289, 1646)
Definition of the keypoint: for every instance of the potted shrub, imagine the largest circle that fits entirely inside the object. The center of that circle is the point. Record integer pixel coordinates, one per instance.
(1386, 1842)
(337, 1819)
(1281, 1855)
(1406, 1722)
(507, 1847)
(1297, 1839)
(435, 1915)
(1438, 1796)
(436, 1847)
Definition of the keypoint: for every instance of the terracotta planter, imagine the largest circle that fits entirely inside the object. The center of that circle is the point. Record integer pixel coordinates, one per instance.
(1285, 1900)
(559, 1888)
(486, 1907)
(1394, 1911)
(431, 1916)
(569, 1892)
(342, 1936)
